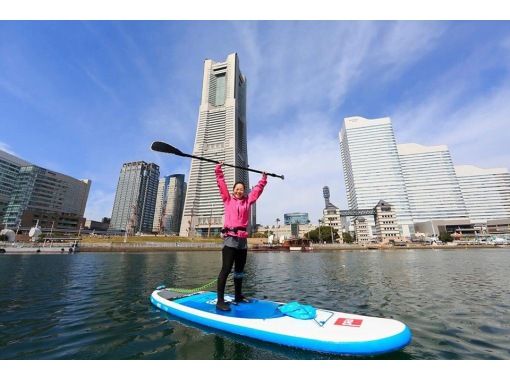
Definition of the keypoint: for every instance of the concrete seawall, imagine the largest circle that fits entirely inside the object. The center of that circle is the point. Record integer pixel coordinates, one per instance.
(203, 246)
(149, 246)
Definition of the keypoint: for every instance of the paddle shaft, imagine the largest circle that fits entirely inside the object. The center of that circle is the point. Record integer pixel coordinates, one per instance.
(160, 146)
(232, 166)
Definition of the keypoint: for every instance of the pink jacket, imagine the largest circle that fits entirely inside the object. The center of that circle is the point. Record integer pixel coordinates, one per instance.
(237, 211)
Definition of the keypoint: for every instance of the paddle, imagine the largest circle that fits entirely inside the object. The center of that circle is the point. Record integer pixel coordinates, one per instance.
(160, 146)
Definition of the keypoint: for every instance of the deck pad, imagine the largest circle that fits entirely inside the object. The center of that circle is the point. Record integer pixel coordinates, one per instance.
(256, 309)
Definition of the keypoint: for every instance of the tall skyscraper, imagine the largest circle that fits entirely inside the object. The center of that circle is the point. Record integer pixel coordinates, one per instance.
(220, 135)
(53, 199)
(169, 204)
(432, 186)
(486, 192)
(372, 169)
(135, 198)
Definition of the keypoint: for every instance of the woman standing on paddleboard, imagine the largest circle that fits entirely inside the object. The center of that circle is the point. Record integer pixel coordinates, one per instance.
(235, 244)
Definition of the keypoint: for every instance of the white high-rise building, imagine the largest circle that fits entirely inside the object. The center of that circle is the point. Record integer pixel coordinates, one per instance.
(221, 136)
(432, 186)
(372, 169)
(486, 192)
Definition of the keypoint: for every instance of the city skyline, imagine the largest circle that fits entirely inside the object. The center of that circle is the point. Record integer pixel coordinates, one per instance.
(69, 89)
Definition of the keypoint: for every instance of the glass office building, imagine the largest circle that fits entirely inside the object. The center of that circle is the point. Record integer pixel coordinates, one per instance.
(9, 170)
(296, 218)
(52, 199)
(135, 198)
(169, 204)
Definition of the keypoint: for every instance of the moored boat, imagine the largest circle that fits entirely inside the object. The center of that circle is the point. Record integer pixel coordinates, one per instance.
(53, 248)
(297, 244)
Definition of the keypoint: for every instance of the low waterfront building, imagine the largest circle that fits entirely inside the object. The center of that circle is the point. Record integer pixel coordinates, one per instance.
(433, 228)
(386, 225)
(361, 230)
(94, 225)
(331, 217)
(498, 226)
(331, 213)
(283, 231)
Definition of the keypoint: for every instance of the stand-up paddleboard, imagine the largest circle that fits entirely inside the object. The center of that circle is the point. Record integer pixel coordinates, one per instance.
(329, 332)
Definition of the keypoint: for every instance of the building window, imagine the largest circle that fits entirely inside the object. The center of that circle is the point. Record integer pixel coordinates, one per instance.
(219, 99)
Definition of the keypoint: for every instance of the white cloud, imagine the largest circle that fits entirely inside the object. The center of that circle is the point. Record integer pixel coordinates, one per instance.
(476, 130)
(6, 148)
(316, 65)
(171, 120)
(297, 63)
(479, 131)
(404, 43)
(248, 34)
(17, 91)
(306, 151)
(102, 85)
(354, 45)
(418, 120)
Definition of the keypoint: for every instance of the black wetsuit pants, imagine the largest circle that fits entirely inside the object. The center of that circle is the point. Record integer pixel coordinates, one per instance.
(232, 257)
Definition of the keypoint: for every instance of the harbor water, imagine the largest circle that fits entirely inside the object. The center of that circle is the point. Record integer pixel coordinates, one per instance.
(96, 305)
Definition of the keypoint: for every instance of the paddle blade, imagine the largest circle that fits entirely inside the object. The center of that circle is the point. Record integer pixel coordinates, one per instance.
(160, 146)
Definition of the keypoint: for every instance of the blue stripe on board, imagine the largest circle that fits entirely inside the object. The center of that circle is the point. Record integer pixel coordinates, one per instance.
(256, 309)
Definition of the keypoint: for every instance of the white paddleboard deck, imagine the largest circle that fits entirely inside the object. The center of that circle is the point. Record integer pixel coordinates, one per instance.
(329, 332)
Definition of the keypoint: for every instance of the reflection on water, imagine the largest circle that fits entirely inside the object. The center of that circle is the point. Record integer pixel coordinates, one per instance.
(96, 306)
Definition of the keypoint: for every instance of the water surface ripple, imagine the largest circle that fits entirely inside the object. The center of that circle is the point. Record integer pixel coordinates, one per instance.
(96, 305)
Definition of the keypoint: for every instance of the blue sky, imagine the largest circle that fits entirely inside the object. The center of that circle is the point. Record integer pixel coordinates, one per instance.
(83, 97)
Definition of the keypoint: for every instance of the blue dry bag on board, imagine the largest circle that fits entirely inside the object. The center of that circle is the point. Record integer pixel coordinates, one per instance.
(298, 311)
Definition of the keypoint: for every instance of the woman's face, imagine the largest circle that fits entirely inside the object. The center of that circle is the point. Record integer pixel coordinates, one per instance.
(239, 191)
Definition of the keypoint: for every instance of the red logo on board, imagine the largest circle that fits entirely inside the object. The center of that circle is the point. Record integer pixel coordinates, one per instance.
(349, 322)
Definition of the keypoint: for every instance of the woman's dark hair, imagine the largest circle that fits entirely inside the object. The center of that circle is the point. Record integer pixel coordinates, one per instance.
(239, 183)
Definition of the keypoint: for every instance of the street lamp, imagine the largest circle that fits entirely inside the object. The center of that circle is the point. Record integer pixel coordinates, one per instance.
(320, 239)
